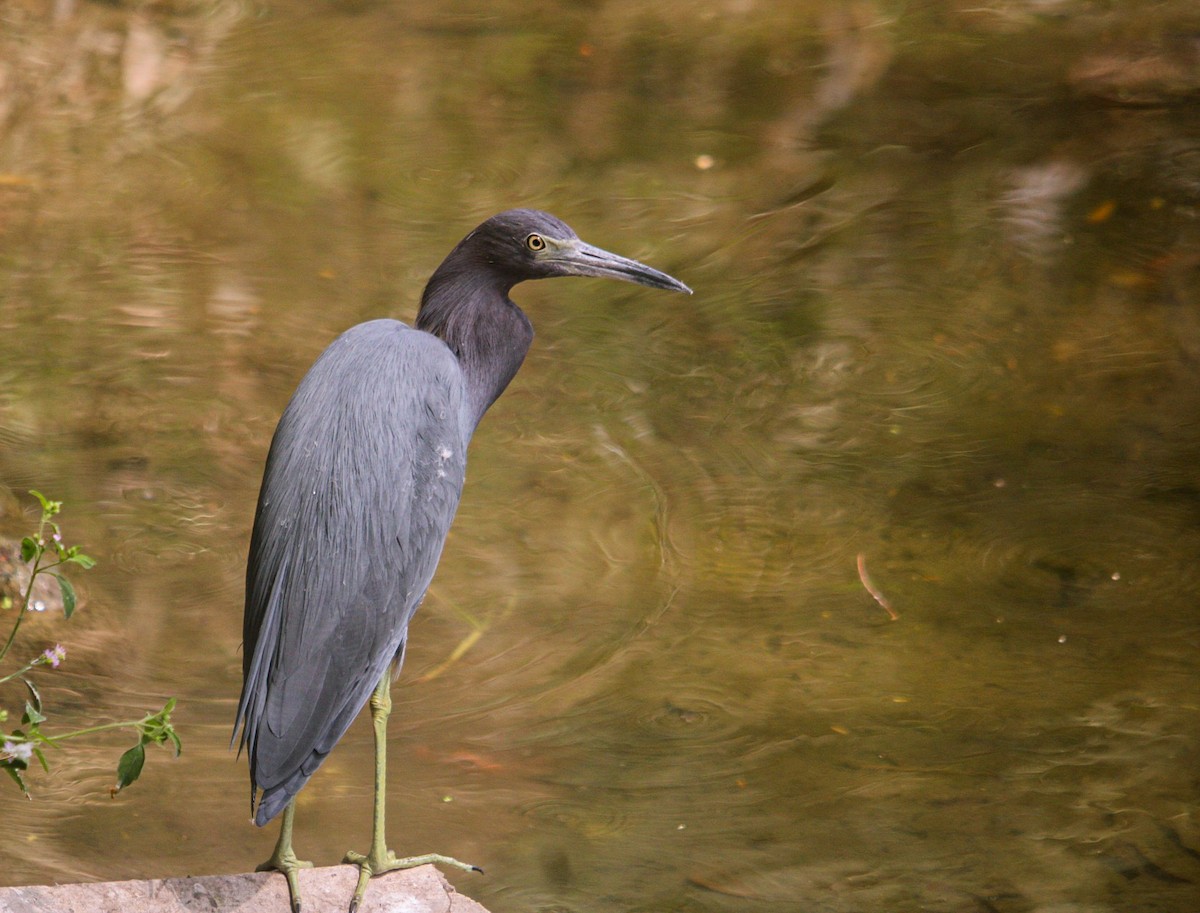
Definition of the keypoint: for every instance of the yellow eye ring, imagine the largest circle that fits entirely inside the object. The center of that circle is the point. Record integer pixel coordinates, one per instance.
(535, 243)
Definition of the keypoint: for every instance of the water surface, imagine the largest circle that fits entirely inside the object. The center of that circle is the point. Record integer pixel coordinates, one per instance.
(943, 346)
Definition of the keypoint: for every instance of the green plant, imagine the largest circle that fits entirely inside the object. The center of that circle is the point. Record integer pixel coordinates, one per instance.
(46, 553)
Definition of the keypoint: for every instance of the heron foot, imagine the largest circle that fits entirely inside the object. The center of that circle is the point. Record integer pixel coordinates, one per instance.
(376, 863)
(285, 861)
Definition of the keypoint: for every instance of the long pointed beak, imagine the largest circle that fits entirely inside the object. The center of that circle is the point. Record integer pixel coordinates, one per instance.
(578, 258)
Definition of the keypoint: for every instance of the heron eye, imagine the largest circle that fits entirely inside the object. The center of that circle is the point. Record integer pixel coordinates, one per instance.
(535, 242)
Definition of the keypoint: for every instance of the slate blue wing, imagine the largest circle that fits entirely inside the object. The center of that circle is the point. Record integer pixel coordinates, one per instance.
(361, 485)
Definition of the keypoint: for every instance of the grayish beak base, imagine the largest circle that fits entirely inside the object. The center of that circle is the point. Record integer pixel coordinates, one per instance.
(578, 258)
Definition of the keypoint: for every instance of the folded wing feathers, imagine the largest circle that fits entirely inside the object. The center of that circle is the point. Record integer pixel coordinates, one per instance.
(362, 481)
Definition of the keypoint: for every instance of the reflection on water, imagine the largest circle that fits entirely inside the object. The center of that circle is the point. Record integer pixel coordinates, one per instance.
(945, 320)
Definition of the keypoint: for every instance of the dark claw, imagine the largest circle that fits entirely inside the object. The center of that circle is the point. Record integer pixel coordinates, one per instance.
(353, 905)
(476, 868)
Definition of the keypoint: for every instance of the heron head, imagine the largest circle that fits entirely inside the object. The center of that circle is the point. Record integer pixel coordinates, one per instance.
(530, 244)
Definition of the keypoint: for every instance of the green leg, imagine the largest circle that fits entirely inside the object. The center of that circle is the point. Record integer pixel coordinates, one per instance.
(379, 858)
(284, 859)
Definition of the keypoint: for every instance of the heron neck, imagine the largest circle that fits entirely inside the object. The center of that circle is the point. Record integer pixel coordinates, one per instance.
(484, 329)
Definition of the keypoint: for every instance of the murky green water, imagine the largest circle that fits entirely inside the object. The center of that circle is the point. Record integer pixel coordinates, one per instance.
(946, 330)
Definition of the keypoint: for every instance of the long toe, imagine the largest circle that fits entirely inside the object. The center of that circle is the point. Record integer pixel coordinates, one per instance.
(364, 875)
(371, 865)
(411, 862)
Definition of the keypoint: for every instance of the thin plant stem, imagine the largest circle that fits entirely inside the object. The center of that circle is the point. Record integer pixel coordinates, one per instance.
(103, 727)
(24, 607)
(25, 668)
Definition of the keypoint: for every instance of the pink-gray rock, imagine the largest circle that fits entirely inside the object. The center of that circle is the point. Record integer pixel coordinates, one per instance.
(324, 890)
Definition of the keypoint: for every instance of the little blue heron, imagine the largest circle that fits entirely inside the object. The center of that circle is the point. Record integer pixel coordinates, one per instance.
(361, 484)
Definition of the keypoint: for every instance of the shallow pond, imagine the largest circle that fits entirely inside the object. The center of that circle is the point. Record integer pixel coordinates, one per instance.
(943, 355)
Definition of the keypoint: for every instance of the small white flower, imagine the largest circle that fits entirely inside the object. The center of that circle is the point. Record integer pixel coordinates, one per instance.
(21, 751)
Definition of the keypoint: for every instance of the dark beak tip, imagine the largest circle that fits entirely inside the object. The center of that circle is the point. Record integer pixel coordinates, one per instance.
(674, 285)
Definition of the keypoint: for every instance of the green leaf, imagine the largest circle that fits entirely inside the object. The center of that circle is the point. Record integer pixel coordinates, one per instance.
(34, 695)
(129, 768)
(68, 595)
(41, 757)
(175, 741)
(29, 549)
(49, 508)
(32, 715)
(15, 773)
(84, 561)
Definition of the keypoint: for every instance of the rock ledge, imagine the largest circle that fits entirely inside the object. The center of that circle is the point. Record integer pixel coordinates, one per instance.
(324, 890)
